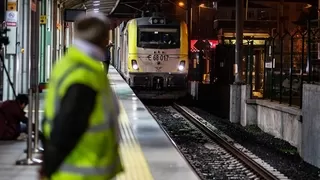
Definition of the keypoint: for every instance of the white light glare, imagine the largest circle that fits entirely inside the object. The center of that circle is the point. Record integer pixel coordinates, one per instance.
(96, 3)
(181, 67)
(96, 10)
(135, 66)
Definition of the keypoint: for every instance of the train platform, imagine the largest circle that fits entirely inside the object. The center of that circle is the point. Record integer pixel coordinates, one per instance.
(147, 153)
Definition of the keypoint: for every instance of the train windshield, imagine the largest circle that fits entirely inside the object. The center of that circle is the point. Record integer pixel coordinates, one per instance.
(159, 38)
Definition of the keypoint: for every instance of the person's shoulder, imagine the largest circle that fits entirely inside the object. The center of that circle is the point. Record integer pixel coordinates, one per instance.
(7, 103)
(88, 77)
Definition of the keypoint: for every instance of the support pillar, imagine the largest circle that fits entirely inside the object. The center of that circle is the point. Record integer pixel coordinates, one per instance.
(310, 136)
(72, 33)
(235, 89)
(189, 23)
(54, 28)
(62, 34)
(113, 55)
(239, 40)
(318, 27)
(26, 45)
(66, 35)
(34, 44)
(42, 40)
(19, 60)
(10, 52)
(48, 40)
(59, 35)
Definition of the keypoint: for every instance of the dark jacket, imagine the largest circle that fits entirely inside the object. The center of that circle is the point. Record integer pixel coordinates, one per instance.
(108, 53)
(10, 117)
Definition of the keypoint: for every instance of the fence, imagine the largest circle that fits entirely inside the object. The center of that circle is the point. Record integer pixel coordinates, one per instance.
(290, 59)
(313, 63)
(285, 67)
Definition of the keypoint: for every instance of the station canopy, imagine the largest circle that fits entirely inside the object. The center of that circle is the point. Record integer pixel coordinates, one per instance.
(130, 8)
(104, 6)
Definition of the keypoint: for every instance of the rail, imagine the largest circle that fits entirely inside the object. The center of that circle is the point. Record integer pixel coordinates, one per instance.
(248, 161)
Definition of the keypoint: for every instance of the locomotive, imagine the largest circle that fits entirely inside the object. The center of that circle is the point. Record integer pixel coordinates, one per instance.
(152, 56)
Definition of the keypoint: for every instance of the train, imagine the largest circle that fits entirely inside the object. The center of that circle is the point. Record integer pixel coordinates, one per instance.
(151, 53)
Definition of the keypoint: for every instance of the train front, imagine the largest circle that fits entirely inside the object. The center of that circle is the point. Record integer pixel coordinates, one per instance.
(160, 67)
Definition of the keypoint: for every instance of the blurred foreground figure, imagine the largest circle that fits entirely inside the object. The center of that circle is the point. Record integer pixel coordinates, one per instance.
(81, 112)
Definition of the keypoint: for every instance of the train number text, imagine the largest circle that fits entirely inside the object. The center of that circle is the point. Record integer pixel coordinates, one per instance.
(158, 57)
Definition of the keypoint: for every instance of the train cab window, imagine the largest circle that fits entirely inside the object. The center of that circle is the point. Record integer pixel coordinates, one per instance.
(160, 38)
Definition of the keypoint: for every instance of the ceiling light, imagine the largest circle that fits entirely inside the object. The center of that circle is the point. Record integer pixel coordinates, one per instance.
(308, 6)
(202, 5)
(96, 3)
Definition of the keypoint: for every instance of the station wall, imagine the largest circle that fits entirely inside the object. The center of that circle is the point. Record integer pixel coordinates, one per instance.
(280, 120)
(299, 127)
(310, 134)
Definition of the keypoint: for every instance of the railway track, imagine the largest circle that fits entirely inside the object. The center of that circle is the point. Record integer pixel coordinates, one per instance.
(202, 125)
(225, 159)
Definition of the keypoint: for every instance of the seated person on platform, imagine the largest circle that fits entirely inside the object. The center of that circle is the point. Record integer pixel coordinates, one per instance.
(12, 118)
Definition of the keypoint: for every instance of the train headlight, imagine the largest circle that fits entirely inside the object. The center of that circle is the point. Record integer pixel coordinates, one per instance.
(181, 68)
(134, 64)
(135, 67)
(181, 65)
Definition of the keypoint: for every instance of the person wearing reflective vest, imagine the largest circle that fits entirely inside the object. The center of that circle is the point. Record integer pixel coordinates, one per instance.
(81, 114)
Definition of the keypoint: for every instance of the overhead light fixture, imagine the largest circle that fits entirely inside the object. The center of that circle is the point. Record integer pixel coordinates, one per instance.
(202, 5)
(96, 10)
(96, 3)
(307, 6)
(181, 4)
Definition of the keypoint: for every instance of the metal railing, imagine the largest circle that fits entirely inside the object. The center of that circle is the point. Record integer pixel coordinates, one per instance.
(33, 147)
(289, 60)
(313, 52)
(285, 67)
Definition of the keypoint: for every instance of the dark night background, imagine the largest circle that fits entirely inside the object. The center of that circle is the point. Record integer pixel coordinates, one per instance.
(1, 11)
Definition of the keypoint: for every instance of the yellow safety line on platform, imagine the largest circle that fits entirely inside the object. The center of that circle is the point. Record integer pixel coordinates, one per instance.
(132, 158)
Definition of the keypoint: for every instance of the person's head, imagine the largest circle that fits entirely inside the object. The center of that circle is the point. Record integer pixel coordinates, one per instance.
(93, 27)
(22, 100)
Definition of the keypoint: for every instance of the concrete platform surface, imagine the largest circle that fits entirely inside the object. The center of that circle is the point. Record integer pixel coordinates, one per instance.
(10, 152)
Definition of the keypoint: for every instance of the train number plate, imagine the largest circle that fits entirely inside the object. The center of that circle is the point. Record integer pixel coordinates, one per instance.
(158, 57)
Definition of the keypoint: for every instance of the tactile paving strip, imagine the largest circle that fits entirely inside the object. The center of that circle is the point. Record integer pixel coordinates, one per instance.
(132, 158)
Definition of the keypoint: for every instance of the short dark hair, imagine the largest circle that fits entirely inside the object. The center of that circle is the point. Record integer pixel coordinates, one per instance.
(92, 27)
(22, 99)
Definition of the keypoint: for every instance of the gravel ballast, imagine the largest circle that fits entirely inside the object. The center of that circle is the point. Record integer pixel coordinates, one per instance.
(209, 159)
(276, 152)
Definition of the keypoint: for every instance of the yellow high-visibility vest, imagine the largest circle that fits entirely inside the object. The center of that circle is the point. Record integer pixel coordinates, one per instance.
(96, 156)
